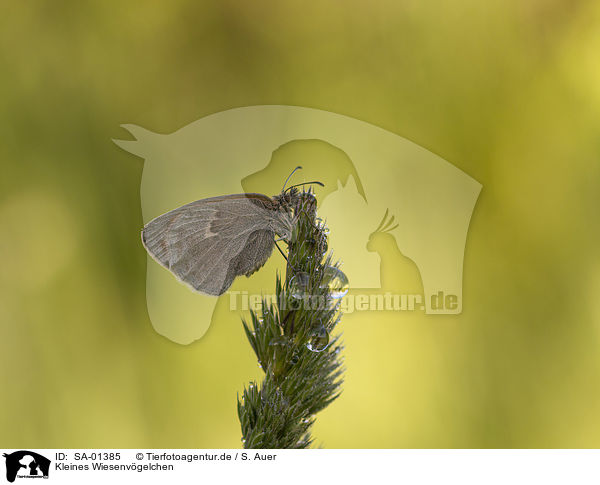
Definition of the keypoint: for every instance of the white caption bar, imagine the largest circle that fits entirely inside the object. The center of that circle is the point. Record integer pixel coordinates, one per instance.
(302, 466)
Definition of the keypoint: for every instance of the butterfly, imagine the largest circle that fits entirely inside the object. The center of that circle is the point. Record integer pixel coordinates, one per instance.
(206, 244)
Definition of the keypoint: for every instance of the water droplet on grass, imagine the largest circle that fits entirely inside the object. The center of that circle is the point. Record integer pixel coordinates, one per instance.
(336, 281)
(319, 340)
(299, 285)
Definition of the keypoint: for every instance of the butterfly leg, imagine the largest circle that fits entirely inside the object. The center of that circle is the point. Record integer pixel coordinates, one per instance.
(282, 253)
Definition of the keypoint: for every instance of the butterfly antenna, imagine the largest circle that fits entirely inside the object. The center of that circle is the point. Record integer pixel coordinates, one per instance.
(306, 183)
(287, 179)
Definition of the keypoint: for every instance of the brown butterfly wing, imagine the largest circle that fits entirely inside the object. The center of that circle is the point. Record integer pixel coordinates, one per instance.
(209, 242)
(252, 257)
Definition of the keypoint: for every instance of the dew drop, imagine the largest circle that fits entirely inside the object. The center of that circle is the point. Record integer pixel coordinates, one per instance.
(336, 281)
(299, 285)
(318, 340)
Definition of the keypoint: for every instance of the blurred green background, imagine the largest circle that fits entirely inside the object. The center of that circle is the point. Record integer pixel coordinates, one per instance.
(507, 91)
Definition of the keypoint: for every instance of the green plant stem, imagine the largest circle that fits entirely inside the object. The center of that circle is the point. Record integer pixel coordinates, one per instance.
(291, 339)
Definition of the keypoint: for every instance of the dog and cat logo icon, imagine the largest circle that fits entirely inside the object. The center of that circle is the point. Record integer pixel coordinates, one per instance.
(26, 464)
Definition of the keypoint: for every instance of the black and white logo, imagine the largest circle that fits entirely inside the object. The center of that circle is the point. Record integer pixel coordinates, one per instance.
(26, 464)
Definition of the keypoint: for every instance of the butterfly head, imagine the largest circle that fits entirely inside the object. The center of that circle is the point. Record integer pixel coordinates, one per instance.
(293, 200)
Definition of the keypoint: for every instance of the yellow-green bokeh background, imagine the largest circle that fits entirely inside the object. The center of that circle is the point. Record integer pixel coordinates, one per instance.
(508, 91)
